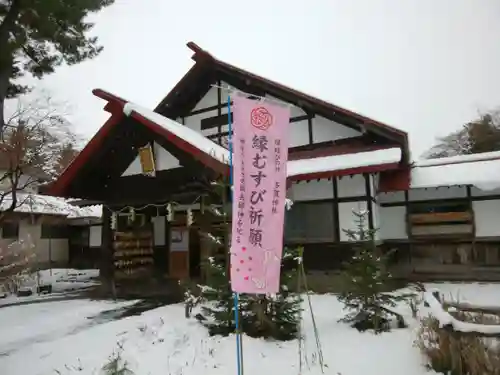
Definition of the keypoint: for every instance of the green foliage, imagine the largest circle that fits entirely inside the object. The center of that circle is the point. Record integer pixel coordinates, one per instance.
(266, 316)
(260, 316)
(276, 316)
(367, 280)
(116, 365)
(36, 36)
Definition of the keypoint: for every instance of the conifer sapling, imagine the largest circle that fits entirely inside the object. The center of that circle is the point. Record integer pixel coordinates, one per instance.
(367, 280)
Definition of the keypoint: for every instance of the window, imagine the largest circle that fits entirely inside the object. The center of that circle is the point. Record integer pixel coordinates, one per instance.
(78, 235)
(309, 222)
(51, 231)
(440, 219)
(10, 230)
(437, 207)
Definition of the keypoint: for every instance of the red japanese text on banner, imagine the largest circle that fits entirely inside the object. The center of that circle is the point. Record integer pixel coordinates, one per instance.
(260, 153)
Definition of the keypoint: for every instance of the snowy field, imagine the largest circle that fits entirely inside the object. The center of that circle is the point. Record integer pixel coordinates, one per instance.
(64, 338)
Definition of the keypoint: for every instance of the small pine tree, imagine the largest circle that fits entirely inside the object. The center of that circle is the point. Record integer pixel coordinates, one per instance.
(366, 282)
(116, 365)
(275, 316)
(260, 316)
(219, 309)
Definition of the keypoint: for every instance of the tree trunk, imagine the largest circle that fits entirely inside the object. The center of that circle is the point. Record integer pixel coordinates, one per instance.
(6, 55)
(4, 86)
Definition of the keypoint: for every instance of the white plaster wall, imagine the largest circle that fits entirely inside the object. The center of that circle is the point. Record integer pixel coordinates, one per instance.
(487, 218)
(312, 190)
(376, 220)
(327, 130)
(95, 235)
(392, 225)
(209, 100)
(159, 230)
(475, 192)
(294, 110)
(164, 160)
(194, 122)
(392, 197)
(346, 217)
(56, 250)
(134, 168)
(323, 129)
(351, 186)
(437, 193)
(299, 134)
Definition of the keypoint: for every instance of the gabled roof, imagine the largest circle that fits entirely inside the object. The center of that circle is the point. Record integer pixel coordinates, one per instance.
(186, 94)
(168, 129)
(216, 157)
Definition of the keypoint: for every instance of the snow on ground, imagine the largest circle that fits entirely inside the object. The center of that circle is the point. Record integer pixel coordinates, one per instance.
(25, 325)
(50, 337)
(63, 281)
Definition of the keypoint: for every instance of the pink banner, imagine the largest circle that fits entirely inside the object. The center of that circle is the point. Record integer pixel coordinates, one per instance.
(260, 153)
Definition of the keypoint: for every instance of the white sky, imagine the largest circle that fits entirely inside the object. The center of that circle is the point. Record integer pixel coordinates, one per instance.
(424, 66)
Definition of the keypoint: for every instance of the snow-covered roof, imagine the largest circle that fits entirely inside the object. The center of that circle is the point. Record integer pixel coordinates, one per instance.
(294, 167)
(470, 158)
(480, 174)
(480, 170)
(342, 162)
(48, 205)
(188, 135)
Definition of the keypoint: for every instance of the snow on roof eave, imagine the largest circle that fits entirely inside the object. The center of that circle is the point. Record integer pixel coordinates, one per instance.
(478, 174)
(469, 158)
(190, 136)
(295, 167)
(37, 204)
(343, 162)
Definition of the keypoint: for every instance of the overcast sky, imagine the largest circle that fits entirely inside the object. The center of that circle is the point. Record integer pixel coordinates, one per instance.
(424, 66)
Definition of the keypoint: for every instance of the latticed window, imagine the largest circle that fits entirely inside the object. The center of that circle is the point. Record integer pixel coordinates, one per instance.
(309, 222)
(10, 230)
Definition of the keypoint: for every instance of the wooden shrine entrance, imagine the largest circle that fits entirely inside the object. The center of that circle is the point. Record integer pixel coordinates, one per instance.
(133, 247)
(179, 253)
(184, 254)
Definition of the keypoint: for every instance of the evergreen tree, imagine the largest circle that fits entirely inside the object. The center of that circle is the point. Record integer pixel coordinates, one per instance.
(36, 36)
(276, 316)
(260, 316)
(366, 281)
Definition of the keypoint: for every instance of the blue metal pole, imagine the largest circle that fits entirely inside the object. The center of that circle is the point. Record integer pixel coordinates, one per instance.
(236, 296)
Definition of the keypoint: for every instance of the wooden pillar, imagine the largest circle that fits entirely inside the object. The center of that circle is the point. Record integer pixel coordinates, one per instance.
(409, 228)
(335, 208)
(369, 201)
(106, 269)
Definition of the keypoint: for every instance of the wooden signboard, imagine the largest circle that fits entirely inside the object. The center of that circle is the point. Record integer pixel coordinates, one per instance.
(146, 157)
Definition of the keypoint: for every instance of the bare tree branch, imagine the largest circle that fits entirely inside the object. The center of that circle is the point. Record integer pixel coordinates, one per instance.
(481, 135)
(31, 149)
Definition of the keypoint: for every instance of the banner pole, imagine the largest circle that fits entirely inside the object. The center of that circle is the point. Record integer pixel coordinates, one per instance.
(239, 352)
